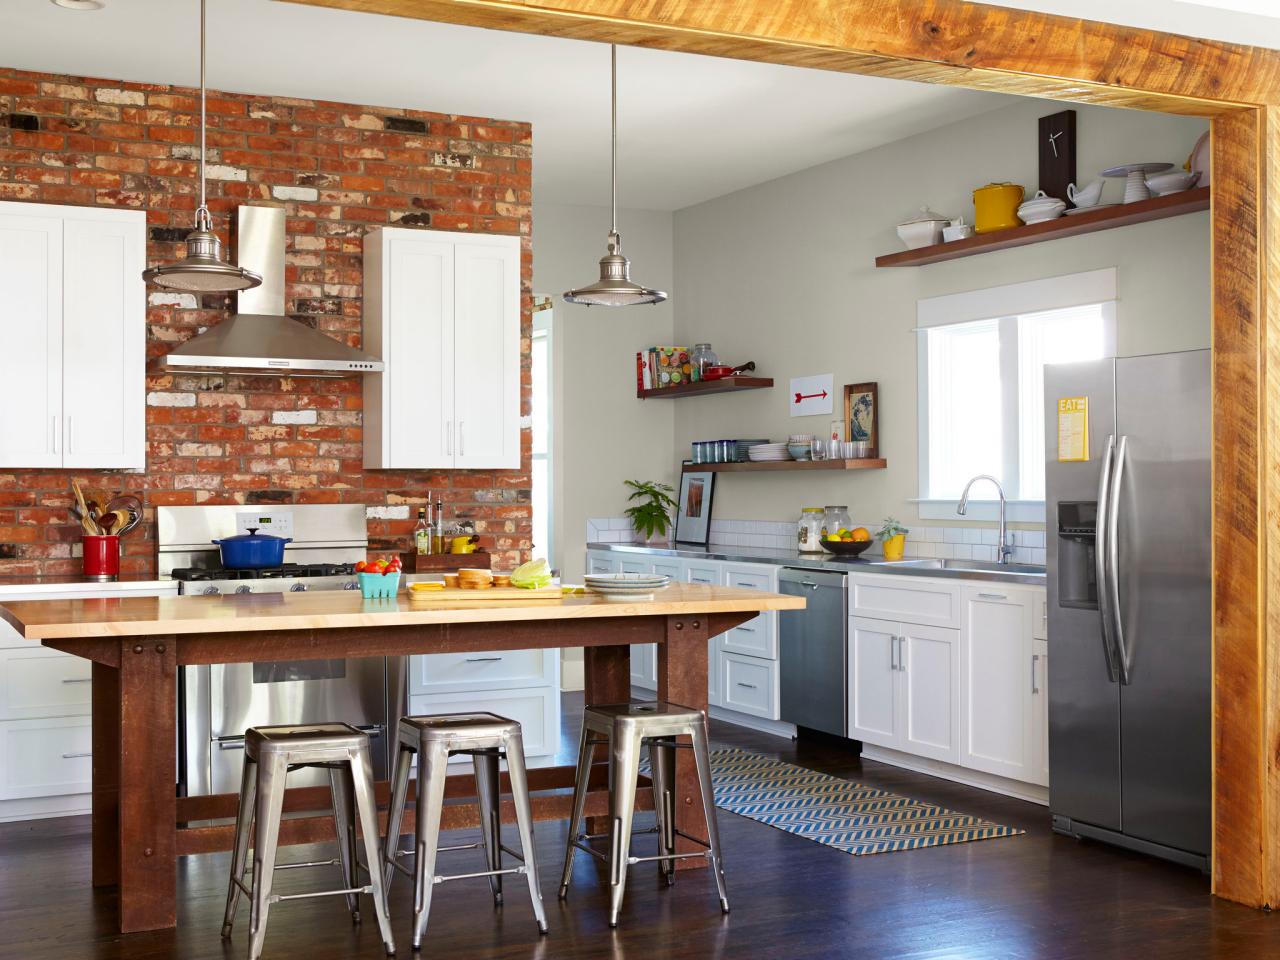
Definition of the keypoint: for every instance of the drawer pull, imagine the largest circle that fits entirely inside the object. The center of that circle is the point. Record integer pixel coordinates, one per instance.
(993, 596)
(231, 743)
(76, 756)
(749, 686)
(746, 629)
(78, 680)
(483, 659)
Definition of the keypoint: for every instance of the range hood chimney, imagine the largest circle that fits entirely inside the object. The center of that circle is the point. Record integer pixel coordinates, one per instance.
(259, 340)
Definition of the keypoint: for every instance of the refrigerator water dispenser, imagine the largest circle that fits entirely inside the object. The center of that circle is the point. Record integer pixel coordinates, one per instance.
(1077, 569)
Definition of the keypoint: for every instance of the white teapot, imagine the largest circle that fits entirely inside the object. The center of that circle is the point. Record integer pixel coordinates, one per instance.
(1089, 196)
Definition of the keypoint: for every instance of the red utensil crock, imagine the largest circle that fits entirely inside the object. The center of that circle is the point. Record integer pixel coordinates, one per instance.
(101, 557)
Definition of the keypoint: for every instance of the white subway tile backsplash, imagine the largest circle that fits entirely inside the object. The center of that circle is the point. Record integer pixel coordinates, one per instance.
(990, 537)
(972, 535)
(962, 551)
(953, 535)
(933, 534)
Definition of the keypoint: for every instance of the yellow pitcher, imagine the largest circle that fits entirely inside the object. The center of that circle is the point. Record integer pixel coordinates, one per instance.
(995, 207)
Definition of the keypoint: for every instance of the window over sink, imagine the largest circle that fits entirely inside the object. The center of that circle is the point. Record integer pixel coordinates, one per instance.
(981, 360)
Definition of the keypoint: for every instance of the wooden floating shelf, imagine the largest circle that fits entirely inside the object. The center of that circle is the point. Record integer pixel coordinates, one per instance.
(702, 388)
(766, 466)
(1122, 215)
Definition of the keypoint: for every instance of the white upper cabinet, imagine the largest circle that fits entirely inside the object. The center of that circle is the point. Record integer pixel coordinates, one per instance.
(443, 312)
(73, 318)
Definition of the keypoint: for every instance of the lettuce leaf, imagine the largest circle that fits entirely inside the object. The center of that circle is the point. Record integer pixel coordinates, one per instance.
(532, 575)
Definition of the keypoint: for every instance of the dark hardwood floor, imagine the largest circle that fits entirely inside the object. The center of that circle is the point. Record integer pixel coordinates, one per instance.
(1036, 895)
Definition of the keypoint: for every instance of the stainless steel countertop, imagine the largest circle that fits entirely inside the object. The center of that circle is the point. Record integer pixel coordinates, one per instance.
(1024, 573)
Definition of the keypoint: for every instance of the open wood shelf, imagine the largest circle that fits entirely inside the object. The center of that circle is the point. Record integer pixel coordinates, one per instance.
(766, 466)
(1122, 215)
(702, 388)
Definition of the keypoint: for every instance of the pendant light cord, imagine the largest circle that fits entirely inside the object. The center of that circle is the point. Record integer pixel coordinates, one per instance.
(613, 123)
(203, 209)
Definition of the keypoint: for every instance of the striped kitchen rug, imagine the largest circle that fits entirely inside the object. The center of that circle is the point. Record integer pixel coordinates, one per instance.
(839, 813)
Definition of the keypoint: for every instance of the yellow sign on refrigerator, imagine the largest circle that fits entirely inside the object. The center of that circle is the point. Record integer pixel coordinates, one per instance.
(1073, 429)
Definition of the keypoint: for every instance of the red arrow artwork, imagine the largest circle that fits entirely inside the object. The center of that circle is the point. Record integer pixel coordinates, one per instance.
(811, 396)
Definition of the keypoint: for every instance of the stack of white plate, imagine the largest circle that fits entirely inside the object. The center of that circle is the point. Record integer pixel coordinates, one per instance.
(768, 451)
(626, 586)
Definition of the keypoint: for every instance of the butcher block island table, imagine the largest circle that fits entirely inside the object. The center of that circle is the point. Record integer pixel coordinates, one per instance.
(137, 644)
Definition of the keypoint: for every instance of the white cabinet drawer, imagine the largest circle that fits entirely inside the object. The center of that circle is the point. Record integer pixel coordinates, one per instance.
(482, 671)
(1040, 615)
(905, 599)
(758, 637)
(749, 685)
(39, 682)
(45, 758)
(706, 572)
(537, 710)
(600, 563)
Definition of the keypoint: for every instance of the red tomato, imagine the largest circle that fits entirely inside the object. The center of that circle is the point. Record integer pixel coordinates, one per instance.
(361, 566)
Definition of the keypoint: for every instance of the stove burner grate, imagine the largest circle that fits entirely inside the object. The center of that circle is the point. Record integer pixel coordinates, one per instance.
(300, 570)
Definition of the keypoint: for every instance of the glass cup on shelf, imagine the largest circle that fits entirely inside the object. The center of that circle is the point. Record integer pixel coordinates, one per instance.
(819, 449)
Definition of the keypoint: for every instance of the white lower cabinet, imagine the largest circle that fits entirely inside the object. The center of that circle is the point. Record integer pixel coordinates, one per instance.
(902, 680)
(47, 757)
(953, 672)
(536, 709)
(1002, 729)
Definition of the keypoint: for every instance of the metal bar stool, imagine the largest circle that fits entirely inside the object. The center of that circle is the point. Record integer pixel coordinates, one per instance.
(625, 727)
(486, 737)
(269, 754)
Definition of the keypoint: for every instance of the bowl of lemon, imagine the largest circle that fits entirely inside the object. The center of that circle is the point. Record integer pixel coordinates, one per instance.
(847, 543)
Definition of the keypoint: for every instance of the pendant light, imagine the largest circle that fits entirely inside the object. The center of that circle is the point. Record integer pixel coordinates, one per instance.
(202, 270)
(615, 287)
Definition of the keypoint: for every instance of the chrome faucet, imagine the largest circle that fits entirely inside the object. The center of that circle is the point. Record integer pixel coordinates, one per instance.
(1006, 551)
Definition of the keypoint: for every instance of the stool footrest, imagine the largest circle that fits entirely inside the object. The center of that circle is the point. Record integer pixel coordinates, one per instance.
(482, 873)
(276, 897)
(669, 856)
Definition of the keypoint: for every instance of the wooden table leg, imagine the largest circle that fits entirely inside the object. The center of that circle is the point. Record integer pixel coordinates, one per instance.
(682, 679)
(106, 775)
(606, 679)
(148, 805)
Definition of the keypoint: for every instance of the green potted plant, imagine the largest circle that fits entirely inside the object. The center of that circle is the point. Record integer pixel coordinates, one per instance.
(651, 516)
(893, 538)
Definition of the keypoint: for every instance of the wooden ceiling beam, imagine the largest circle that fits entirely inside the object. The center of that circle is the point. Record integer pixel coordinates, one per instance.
(949, 42)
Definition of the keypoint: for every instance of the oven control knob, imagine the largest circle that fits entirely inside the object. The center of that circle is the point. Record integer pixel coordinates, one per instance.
(298, 588)
(244, 588)
(211, 591)
(351, 585)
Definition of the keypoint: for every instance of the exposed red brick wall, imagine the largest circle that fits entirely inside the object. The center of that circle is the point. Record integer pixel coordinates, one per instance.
(338, 170)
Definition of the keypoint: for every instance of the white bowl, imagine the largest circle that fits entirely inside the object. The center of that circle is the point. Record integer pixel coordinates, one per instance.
(921, 233)
(1175, 181)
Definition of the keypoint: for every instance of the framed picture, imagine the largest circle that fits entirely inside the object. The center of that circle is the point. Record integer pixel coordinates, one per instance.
(693, 518)
(861, 415)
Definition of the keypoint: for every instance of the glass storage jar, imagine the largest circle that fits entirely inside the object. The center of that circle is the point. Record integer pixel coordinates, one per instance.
(701, 358)
(810, 530)
(835, 519)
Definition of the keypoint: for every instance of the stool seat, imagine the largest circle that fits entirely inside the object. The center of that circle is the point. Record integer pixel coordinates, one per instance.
(457, 731)
(625, 728)
(269, 754)
(486, 737)
(303, 741)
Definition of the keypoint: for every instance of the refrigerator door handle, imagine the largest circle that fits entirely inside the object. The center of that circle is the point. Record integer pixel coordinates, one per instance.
(1101, 572)
(1113, 560)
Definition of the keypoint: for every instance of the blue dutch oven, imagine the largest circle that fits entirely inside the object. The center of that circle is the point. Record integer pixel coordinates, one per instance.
(249, 551)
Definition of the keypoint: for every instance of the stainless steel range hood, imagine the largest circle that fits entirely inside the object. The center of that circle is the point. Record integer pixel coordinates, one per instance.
(259, 340)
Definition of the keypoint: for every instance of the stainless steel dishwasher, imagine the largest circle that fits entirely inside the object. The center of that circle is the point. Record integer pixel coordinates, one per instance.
(813, 651)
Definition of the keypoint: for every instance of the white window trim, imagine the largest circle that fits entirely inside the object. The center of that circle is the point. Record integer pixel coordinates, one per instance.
(542, 330)
(1011, 300)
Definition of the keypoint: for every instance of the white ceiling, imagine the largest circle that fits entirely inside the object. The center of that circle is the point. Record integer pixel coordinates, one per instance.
(691, 128)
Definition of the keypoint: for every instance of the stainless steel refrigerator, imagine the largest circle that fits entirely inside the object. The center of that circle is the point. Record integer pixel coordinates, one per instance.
(1128, 532)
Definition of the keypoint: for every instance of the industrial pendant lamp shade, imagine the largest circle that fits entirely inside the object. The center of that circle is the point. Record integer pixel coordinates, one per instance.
(202, 270)
(615, 287)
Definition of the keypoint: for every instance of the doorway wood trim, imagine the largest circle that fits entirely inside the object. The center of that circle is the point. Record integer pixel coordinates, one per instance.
(1030, 54)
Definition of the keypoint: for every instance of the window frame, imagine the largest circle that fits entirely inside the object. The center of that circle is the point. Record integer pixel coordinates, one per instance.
(542, 330)
(1003, 304)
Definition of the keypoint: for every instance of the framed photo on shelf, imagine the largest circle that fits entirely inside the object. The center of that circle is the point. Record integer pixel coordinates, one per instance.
(693, 517)
(862, 415)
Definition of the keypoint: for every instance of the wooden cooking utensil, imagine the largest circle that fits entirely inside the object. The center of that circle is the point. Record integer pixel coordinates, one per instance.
(86, 515)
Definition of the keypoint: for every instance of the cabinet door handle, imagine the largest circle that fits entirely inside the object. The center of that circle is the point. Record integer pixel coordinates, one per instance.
(462, 440)
(746, 629)
(749, 686)
(1035, 660)
(902, 654)
(893, 653)
(78, 680)
(55, 434)
(76, 756)
(483, 659)
(993, 596)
